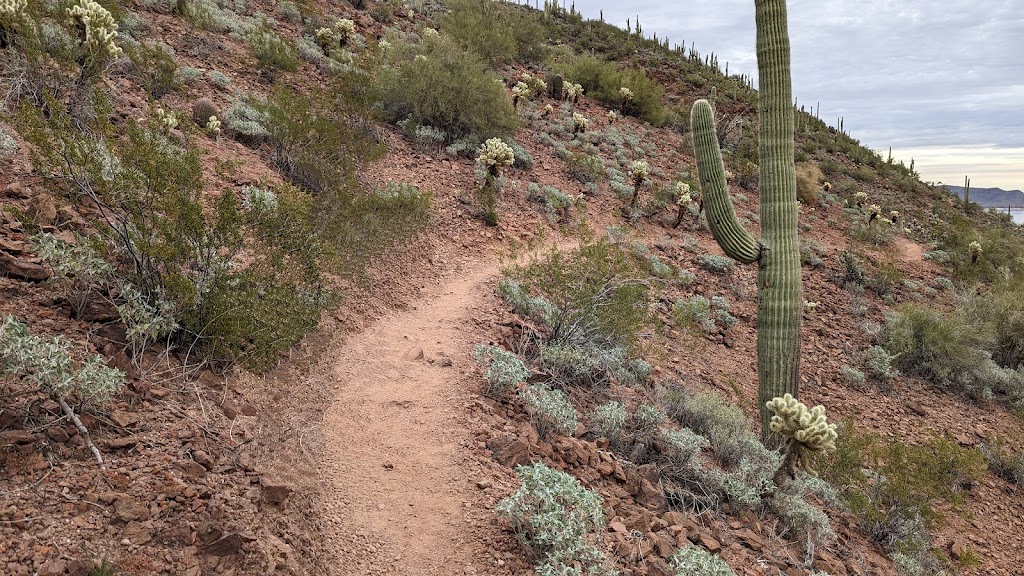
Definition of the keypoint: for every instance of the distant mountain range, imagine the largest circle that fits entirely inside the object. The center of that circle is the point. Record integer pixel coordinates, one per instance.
(991, 197)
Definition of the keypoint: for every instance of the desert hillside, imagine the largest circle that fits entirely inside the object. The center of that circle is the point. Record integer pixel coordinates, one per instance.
(430, 288)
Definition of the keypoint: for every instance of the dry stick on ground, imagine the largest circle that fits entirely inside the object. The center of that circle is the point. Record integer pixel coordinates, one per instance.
(81, 430)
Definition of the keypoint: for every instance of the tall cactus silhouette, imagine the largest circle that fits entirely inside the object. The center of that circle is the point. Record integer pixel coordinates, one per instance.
(778, 251)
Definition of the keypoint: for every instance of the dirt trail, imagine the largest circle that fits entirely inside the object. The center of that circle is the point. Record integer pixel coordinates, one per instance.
(397, 493)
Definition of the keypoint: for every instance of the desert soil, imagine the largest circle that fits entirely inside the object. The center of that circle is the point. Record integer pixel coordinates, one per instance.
(395, 490)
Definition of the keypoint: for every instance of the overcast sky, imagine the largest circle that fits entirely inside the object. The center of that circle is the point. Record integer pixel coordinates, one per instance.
(942, 82)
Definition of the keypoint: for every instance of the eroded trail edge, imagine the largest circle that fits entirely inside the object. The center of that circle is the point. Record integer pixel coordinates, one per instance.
(396, 493)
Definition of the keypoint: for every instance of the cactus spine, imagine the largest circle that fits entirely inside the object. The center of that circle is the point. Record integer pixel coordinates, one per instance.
(778, 252)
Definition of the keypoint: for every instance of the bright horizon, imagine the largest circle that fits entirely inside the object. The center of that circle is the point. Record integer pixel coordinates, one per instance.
(942, 84)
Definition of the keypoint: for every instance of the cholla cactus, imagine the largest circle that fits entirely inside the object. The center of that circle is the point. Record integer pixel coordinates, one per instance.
(810, 306)
(874, 211)
(548, 109)
(213, 127)
(827, 186)
(520, 90)
(431, 33)
(96, 27)
(684, 200)
(573, 92)
(346, 29)
(612, 116)
(626, 95)
(12, 9)
(860, 198)
(975, 250)
(804, 430)
(536, 85)
(579, 123)
(494, 155)
(168, 120)
(681, 191)
(326, 38)
(639, 171)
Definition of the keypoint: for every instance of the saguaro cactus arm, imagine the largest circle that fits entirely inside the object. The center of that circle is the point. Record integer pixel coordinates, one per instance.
(728, 232)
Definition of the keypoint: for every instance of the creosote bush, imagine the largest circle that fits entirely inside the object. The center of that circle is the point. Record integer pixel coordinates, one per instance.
(495, 32)
(440, 84)
(898, 490)
(242, 284)
(597, 294)
(602, 80)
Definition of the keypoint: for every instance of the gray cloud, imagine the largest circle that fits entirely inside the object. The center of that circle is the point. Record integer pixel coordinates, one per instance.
(907, 74)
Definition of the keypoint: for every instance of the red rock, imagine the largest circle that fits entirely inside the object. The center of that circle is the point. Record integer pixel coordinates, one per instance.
(53, 567)
(10, 437)
(618, 527)
(228, 545)
(509, 451)
(124, 419)
(275, 490)
(22, 269)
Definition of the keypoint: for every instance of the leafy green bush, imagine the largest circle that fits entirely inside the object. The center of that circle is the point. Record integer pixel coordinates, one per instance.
(609, 419)
(504, 369)
(47, 362)
(696, 561)
(558, 520)
(897, 490)
(550, 410)
(154, 66)
(272, 51)
(172, 244)
(717, 264)
(602, 80)
(598, 292)
(440, 84)
(496, 32)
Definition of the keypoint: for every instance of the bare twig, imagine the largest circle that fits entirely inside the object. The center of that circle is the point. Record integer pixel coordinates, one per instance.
(81, 430)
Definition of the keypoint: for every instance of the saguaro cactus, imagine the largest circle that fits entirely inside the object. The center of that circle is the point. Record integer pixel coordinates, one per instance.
(778, 251)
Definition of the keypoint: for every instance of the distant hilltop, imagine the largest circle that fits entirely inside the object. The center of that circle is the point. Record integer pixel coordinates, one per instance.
(991, 197)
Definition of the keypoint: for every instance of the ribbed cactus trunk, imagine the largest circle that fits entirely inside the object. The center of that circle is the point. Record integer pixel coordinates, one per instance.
(778, 252)
(780, 301)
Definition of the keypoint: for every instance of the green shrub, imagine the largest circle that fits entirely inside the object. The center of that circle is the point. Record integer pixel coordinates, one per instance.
(47, 363)
(695, 312)
(442, 85)
(550, 410)
(504, 369)
(1004, 462)
(609, 419)
(955, 350)
(897, 490)
(558, 520)
(495, 32)
(584, 167)
(696, 561)
(598, 291)
(717, 264)
(852, 376)
(77, 268)
(602, 80)
(272, 52)
(164, 237)
(154, 66)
